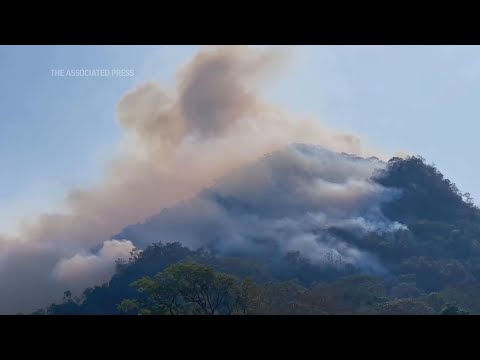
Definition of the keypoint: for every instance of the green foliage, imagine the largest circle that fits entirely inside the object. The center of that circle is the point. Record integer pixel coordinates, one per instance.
(129, 306)
(426, 194)
(205, 290)
(187, 288)
(433, 262)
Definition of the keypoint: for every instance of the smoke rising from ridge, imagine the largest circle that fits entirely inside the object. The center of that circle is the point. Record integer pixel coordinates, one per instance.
(176, 143)
(285, 202)
(83, 270)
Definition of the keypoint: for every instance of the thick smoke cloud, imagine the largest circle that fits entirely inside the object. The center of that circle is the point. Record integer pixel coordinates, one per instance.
(83, 270)
(176, 143)
(287, 201)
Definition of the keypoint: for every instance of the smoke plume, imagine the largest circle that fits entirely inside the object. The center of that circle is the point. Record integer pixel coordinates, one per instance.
(82, 270)
(286, 202)
(177, 143)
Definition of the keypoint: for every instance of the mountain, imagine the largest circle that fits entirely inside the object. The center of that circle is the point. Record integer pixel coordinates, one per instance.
(378, 237)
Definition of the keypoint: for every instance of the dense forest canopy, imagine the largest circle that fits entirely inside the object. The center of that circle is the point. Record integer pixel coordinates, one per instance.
(432, 265)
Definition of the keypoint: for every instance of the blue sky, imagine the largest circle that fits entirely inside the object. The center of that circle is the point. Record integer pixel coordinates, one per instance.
(57, 133)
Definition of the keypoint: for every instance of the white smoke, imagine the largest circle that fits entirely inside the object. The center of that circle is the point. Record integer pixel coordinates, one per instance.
(176, 144)
(286, 201)
(85, 269)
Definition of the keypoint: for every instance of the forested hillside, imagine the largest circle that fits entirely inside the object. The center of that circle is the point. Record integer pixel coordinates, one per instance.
(428, 262)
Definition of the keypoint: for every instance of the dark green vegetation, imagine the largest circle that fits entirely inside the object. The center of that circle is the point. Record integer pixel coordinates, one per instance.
(434, 267)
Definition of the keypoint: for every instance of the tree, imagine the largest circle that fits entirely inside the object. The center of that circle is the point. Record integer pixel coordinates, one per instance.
(251, 298)
(185, 288)
(162, 296)
(131, 305)
(323, 299)
(282, 298)
(362, 290)
(200, 285)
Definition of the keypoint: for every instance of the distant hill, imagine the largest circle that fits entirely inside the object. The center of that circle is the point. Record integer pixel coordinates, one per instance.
(394, 237)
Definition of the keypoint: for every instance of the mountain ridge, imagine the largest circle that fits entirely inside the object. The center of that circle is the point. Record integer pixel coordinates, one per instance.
(371, 218)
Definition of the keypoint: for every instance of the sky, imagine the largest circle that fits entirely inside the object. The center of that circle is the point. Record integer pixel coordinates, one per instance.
(57, 133)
